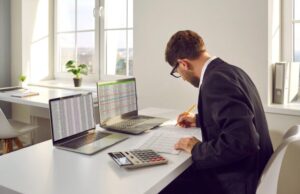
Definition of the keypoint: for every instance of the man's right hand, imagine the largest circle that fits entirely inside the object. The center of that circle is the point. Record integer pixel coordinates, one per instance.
(186, 120)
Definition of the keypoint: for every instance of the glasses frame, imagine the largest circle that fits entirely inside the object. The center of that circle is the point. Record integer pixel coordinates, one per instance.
(174, 70)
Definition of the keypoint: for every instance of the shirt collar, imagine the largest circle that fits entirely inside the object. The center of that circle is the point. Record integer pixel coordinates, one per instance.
(204, 68)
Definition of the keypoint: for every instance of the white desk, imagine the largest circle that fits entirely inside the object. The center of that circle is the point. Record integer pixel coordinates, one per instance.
(40, 100)
(42, 169)
(36, 110)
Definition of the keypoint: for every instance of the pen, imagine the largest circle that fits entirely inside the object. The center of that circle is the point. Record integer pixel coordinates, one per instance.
(188, 111)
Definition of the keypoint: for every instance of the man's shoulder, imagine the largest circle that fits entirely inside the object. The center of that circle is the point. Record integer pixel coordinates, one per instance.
(219, 68)
(223, 74)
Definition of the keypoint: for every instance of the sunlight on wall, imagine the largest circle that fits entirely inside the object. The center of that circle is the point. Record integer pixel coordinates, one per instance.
(39, 49)
(39, 60)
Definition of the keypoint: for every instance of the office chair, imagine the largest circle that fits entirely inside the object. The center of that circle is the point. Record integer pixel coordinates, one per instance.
(269, 178)
(10, 130)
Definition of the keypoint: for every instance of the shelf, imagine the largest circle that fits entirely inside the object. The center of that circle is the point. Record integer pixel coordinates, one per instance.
(284, 109)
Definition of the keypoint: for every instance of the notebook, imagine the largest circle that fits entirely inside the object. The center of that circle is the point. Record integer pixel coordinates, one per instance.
(118, 109)
(73, 125)
(19, 92)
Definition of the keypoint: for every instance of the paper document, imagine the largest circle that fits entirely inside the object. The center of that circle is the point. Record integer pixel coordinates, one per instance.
(21, 93)
(164, 138)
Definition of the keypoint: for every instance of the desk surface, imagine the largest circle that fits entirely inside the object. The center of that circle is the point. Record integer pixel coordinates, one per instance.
(44, 169)
(40, 100)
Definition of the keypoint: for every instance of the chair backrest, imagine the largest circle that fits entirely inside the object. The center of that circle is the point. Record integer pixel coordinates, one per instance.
(269, 178)
(6, 130)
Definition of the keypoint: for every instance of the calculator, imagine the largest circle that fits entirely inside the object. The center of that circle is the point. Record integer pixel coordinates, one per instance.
(137, 158)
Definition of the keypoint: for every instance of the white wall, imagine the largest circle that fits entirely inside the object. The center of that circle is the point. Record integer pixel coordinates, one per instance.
(234, 30)
(4, 43)
(31, 39)
(5, 49)
(16, 40)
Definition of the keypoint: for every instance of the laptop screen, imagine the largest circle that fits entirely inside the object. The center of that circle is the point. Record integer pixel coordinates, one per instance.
(116, 98)
(71, 115)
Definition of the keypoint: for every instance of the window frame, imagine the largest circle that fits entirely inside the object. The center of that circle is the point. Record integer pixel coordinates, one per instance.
(288, 38)
(287, 41)
(103, 39)
(100, 44)
(58, 74)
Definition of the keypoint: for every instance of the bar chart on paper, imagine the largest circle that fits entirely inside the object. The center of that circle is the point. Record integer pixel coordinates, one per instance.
(116, 98)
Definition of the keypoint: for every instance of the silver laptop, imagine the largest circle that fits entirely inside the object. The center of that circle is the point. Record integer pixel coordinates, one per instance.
(118, 109)
(73, 125)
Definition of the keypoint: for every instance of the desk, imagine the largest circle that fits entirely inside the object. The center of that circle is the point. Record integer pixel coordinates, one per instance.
(36, 110)
(43, 169)
(40, 100)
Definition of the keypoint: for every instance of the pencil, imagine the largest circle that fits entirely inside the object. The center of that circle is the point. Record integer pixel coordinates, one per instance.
(189, 111)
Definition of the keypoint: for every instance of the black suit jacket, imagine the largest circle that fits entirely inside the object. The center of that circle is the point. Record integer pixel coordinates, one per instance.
(236, 143)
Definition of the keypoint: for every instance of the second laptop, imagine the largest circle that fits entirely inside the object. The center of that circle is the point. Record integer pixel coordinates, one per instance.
(118, 108)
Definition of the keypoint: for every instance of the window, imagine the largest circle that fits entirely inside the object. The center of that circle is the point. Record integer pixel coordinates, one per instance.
(118, 37)
(290, 31)
(290, 45)
(98, 33)
(75, 35)
(296, 31)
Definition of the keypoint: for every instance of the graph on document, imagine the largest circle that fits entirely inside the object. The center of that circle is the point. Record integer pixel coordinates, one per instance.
(116, 98)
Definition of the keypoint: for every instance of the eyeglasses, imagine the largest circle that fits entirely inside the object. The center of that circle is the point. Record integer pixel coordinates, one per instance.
(174, 73)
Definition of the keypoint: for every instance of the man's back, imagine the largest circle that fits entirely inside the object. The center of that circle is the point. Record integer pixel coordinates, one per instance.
(236, 143)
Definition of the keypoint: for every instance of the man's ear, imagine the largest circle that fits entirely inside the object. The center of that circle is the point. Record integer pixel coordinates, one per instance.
(186, 64)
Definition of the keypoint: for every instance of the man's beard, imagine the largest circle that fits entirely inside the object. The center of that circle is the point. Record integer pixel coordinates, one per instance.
(188, 76)
(195, 81)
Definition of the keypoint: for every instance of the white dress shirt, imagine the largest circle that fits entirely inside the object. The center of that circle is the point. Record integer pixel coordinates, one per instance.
(204, 68)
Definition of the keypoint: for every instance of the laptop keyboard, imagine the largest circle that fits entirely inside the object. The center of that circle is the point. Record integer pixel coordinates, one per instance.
(86, 139)
(127, 124)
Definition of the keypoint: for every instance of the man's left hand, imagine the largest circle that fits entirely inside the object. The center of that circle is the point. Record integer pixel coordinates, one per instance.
(186, 144)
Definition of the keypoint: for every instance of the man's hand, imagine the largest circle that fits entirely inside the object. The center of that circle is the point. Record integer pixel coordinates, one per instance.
(186, 120)
(186, 144)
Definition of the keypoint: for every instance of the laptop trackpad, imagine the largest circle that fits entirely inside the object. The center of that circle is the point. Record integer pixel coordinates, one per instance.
(102, 143)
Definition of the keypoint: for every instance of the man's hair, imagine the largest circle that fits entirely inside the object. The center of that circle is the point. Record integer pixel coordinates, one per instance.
(184, 44)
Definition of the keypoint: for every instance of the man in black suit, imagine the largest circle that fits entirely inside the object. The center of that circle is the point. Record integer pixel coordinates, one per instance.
(235, 144)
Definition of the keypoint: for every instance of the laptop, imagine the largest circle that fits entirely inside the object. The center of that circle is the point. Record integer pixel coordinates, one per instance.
(118, 109)
(73, 125)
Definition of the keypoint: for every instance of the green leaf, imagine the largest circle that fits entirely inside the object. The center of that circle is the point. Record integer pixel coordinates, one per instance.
(83, 66)
(76, 69)
(70, 62)
(22, 78)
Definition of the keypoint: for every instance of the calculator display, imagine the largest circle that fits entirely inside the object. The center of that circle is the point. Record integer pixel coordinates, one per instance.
(120, 159)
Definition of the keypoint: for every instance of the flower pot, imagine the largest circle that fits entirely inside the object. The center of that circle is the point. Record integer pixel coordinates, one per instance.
(77, 82)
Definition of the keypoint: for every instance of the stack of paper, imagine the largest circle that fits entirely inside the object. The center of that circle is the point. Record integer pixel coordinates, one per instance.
(20, 93)
(164, 138)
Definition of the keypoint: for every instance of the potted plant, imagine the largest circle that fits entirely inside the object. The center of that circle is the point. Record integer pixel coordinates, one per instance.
(22, 79)
(77, 70)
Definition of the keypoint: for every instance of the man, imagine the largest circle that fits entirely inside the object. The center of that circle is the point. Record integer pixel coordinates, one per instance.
(235, 144)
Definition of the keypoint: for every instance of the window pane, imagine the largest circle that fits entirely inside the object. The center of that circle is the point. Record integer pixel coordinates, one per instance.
(297, 10)
(86, 49)
(65, 15)
(85, 17)
(130, 51)
(65, 49)
(297, 42)
(116, 52)
(130, 13)
(115, 14)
